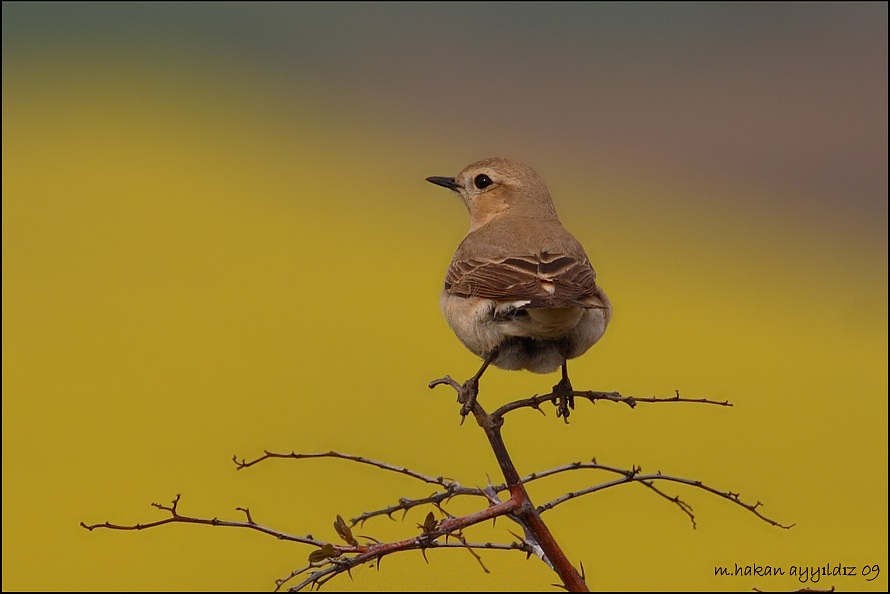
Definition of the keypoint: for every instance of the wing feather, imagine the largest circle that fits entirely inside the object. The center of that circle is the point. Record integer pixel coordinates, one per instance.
(544, 279)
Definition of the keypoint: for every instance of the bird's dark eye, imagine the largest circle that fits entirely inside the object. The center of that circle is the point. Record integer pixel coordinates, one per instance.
(482, 181)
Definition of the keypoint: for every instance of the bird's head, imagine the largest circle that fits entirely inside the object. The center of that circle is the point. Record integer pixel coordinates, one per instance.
(498, 187)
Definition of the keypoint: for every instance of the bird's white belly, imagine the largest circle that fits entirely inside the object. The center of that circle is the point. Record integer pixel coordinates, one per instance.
(543, 324)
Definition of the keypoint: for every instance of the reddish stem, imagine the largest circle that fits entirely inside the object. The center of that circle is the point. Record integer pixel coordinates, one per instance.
(526, 512)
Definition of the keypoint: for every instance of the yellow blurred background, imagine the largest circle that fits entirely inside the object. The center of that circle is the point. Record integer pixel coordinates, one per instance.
(217, 239)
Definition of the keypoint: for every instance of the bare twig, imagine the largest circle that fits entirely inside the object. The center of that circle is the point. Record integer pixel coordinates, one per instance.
(594, 465)
(241, 464)
(452, 488)
(177, 518)
(492, 546)
(631, 401)
(647, 480)
(406, 504)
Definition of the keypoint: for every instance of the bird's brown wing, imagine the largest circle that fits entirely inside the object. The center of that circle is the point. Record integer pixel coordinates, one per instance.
(542, 280)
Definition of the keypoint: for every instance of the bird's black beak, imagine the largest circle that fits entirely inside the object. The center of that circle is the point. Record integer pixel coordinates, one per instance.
(445, 182)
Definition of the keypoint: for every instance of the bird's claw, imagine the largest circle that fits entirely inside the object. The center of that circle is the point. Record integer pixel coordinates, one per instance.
(466, 395)
(565, 398)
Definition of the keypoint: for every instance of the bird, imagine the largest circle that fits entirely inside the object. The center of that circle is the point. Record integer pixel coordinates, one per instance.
(520, 291)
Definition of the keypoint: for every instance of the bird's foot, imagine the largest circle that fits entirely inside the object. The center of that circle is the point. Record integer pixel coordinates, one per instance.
(565, 398)
(466, 393)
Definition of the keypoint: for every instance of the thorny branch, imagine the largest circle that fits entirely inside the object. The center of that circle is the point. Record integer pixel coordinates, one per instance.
(176, 517)
(329, 560)
(331, 569)
(635, 475)
(361, 459)
(631, 401)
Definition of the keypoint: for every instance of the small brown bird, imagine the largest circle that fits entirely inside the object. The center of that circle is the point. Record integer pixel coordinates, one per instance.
(520, 291)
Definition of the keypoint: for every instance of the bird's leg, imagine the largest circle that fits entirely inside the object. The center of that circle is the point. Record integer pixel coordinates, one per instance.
(565, 394)
(467, 393)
